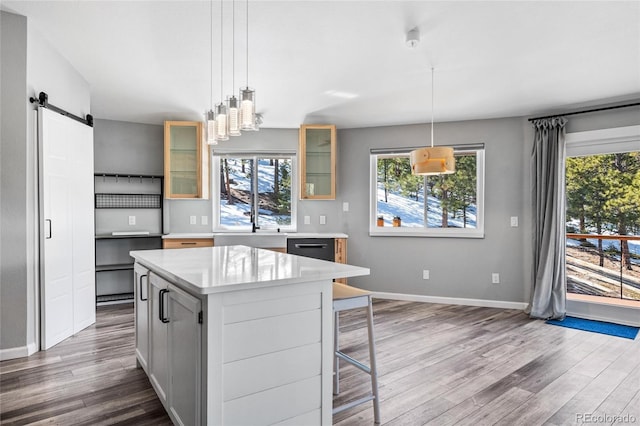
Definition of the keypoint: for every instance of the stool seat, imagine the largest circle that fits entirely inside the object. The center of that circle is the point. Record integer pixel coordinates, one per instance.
(343, 291)
(345, 298)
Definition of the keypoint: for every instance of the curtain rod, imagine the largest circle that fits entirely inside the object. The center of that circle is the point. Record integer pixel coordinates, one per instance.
(43, 101)
(586, 111)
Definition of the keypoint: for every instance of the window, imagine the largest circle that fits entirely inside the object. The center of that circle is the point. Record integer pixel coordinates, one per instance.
(454, 203)
(254, 187)
(602, 171)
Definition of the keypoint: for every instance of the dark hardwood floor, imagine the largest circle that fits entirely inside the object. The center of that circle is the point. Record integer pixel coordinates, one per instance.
(439, 365)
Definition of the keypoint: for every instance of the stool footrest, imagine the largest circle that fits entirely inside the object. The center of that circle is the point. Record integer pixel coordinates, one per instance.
(353, 362)
(352, 404)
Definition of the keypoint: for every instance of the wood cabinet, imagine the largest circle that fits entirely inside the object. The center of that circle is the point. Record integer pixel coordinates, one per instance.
(174, 243)
(186, 160)
(340, 247)
(175, 340)
(317, 153)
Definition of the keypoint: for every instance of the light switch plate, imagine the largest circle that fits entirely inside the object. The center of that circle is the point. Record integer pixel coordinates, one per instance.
(495, 278)
(514, 221)
(132, 220)
(323, 219)
(204, 220)
(345, 206)
(307, 220)
(192, 220)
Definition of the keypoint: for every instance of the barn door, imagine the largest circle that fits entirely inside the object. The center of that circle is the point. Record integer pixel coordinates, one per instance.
(67, 292)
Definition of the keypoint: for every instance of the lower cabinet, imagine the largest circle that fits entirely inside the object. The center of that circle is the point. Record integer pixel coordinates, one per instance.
(340, 255)
(141, 294)
(175, 340)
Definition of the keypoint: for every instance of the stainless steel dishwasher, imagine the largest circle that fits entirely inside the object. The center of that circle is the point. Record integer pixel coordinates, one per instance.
(318, 248)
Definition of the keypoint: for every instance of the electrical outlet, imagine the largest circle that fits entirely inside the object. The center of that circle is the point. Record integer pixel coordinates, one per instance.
(307, 220)
(425, 274)
(192, 220)
(345, 206)
(514, 221)
(323, 219)
(132, 220)
(204, 220)
(495, 278)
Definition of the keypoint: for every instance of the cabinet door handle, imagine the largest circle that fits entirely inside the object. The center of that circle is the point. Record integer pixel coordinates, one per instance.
(50, 232)
(140, 287)
(311, 245)
(162, 307)
(184, 243)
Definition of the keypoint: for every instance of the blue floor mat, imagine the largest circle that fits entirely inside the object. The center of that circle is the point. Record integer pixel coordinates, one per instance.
(601, 327)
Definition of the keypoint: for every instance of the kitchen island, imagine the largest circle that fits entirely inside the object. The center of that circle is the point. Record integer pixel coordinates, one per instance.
(237, 335)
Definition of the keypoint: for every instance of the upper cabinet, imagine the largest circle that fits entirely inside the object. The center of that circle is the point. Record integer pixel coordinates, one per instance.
(186, 160)
(318, 162)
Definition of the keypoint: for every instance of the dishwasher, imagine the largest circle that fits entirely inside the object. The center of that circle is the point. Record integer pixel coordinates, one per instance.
(317, 248)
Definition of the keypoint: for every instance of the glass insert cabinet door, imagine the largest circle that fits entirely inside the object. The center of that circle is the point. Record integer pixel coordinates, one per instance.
(182, 159)
(318, 161)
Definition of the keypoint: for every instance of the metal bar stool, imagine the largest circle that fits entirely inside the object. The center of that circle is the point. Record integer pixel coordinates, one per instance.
(345, 298)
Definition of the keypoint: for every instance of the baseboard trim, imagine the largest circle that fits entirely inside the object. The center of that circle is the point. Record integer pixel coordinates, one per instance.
(450, 300)
(626, 315)
(19, 352)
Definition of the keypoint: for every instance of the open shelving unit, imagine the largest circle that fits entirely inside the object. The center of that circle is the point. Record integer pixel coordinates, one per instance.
(118, 197)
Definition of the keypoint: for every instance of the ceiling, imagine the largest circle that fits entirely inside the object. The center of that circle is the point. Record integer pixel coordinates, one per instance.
(346, 62)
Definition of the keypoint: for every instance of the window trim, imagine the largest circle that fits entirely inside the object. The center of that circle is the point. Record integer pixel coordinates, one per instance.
(253, 155)
(376, 231)
(602, 141)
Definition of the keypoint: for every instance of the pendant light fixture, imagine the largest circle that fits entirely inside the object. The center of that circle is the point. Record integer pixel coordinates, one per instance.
(210, 119)
(221, 108)
(248, 95)
(233, 119)
(432, 160)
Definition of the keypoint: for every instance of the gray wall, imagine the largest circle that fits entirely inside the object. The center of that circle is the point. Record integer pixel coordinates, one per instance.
(458, 267)
(605, 119)
(13, 188)
(123, 147)
(29, 65)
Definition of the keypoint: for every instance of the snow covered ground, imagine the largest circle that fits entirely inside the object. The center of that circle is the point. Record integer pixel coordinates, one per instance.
(411, 211)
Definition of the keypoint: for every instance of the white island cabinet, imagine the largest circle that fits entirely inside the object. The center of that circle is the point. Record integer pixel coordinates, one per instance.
(239, 335)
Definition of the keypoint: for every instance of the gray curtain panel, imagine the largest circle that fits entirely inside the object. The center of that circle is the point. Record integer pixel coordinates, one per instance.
(548, 298)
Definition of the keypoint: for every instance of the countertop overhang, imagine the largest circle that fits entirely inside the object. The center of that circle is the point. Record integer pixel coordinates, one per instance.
(208, 270)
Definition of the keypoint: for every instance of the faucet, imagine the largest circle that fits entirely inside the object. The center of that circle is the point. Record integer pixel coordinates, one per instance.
(253, 222)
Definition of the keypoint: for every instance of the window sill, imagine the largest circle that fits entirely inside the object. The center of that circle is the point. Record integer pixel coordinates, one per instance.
(432, 233)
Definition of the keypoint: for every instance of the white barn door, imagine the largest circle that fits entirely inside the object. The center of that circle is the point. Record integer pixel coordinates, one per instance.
(67, 280)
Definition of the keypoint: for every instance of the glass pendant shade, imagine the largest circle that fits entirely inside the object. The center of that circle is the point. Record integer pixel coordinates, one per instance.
(221, 122)
(438, 160)
(233, 119)
(210, 128)
(247, 109)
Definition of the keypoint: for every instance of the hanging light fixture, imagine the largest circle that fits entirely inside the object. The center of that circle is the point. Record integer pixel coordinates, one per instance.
(438, 160)
(210, 119)
(248, 95)
(233, 119)
(221, 108)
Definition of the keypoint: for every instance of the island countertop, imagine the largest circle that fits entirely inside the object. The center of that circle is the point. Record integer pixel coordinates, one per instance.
(208, 270)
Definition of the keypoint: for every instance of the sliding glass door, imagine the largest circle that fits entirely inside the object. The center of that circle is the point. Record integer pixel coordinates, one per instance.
(603, 218)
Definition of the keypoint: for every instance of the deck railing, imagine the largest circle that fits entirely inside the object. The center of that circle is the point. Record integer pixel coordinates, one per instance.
(603, 265)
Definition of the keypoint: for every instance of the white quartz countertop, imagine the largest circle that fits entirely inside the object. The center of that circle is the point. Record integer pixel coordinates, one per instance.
(248, 234)
(209, 270)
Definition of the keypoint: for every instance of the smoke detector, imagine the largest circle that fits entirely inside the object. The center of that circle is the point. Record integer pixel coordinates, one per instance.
(413, 38)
